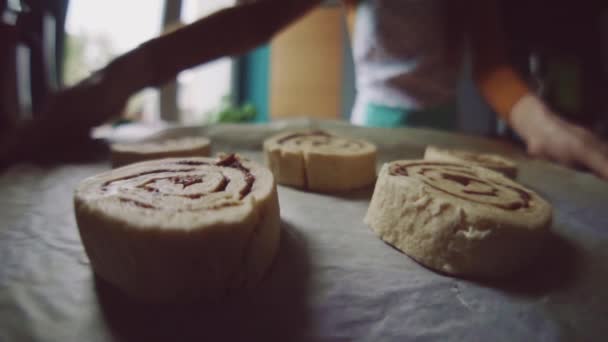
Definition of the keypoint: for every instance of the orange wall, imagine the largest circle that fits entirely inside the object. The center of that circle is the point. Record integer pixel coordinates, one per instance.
(306, 66)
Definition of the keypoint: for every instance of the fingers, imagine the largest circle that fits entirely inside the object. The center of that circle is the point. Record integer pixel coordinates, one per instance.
(599, 165)
(577, 149)
(535, 148)
(548, 153)
(594, 155)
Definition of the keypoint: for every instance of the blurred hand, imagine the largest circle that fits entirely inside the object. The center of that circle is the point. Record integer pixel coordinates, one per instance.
(66, 121)
(550, 137)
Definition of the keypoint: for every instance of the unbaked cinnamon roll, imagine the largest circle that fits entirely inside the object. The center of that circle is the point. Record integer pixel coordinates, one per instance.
(458, 219)
(320, 161)
(124, 154)
(180, 228)
(490, 161)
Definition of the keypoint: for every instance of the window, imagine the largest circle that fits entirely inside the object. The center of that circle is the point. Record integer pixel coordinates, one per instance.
(202, 89)
(97, 31)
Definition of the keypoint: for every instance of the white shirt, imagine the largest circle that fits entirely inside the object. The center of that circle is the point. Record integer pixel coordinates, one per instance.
(404, 55)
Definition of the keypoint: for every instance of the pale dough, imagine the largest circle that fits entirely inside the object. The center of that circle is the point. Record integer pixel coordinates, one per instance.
(124, 154)
(457, 218)
(181, 228)
(494, 162)
(320, 161)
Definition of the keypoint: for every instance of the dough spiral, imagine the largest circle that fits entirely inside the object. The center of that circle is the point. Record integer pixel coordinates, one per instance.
(458, 219)
(180, 228)
(490, 161)
(320, 161)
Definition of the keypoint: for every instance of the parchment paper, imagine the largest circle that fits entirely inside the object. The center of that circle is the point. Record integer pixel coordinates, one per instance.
(333, 280)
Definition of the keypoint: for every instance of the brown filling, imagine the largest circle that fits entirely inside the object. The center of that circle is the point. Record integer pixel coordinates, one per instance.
(151, 172)
(464, 178)
(233, 161)
(191, 163)
(185, 181)
(316, 143)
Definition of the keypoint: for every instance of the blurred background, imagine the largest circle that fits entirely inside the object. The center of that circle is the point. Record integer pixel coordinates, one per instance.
(561, 47)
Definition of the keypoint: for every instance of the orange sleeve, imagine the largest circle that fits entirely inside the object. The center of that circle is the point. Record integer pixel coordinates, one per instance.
(495, 77)
(502, 87)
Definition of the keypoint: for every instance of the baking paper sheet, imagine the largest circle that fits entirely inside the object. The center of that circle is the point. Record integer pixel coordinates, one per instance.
(333, 279)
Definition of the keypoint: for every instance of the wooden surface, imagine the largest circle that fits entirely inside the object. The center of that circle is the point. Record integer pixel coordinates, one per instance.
(306, 66)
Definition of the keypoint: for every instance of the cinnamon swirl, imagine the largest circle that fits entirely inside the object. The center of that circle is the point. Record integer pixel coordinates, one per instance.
(180, 228)
(320, 161)
(490, 161)
(457, 218)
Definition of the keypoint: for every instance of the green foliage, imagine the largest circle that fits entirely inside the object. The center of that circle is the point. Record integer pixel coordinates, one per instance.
(230, 112)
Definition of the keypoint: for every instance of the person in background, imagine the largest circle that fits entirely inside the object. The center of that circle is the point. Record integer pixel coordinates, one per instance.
(407, 57)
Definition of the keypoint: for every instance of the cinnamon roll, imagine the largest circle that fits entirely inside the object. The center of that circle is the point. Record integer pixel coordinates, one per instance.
(457, 218)
(123, 154)
(320, 161)
(180, 228)
(494, 162)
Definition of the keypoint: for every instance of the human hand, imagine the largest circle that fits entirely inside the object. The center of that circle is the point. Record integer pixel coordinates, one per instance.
(550, 137)
(65, 123)
(64, 126)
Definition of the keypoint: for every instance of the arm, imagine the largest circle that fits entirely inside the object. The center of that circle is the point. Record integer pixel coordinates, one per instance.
(494, 75)
(545, 133)
(72, 112)
(227, 32)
